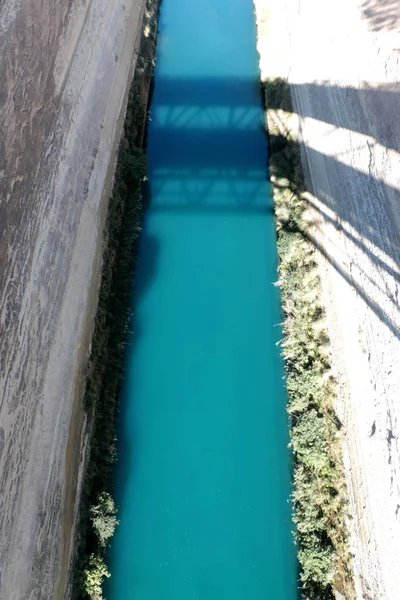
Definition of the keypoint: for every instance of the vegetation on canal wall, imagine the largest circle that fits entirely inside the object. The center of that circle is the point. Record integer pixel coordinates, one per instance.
(98, 515)
(319, 495)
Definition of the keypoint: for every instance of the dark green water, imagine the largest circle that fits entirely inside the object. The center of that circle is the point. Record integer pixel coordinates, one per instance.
(203, 475)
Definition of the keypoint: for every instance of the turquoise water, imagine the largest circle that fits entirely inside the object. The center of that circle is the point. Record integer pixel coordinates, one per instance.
(203, 477)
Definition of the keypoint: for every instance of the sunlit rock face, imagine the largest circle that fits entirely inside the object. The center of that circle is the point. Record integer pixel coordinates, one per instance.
(342, 61)
(64, 73)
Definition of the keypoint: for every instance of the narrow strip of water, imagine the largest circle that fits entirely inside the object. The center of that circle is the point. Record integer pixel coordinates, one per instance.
(204, 469)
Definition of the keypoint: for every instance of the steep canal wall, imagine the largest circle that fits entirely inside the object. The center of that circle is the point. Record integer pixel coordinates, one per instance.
(331, 73)
(320, 495)
(64, 79)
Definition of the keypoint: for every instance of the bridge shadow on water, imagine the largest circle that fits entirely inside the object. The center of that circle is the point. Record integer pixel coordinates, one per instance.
(208, 147)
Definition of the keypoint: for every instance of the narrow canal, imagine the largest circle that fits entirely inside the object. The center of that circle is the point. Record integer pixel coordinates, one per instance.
(203, 472)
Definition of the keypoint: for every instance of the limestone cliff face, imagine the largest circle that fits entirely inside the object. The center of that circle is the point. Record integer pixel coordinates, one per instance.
(64, 76)
(342, 63)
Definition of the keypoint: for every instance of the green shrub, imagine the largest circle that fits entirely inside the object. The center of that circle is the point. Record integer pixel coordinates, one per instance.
(103, 517)
(134, 164)
(93, 577)
(318, 567)
(309, 441)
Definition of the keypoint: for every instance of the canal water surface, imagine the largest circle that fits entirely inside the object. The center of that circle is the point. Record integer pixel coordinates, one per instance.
(203, 477)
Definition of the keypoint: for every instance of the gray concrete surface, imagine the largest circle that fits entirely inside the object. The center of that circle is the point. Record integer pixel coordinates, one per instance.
(64, 72)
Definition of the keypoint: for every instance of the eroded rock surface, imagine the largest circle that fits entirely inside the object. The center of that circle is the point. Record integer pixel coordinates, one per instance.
(64, 73)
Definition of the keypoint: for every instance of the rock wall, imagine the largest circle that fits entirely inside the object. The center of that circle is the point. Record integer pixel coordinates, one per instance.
(342, 62)
(64, 77)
